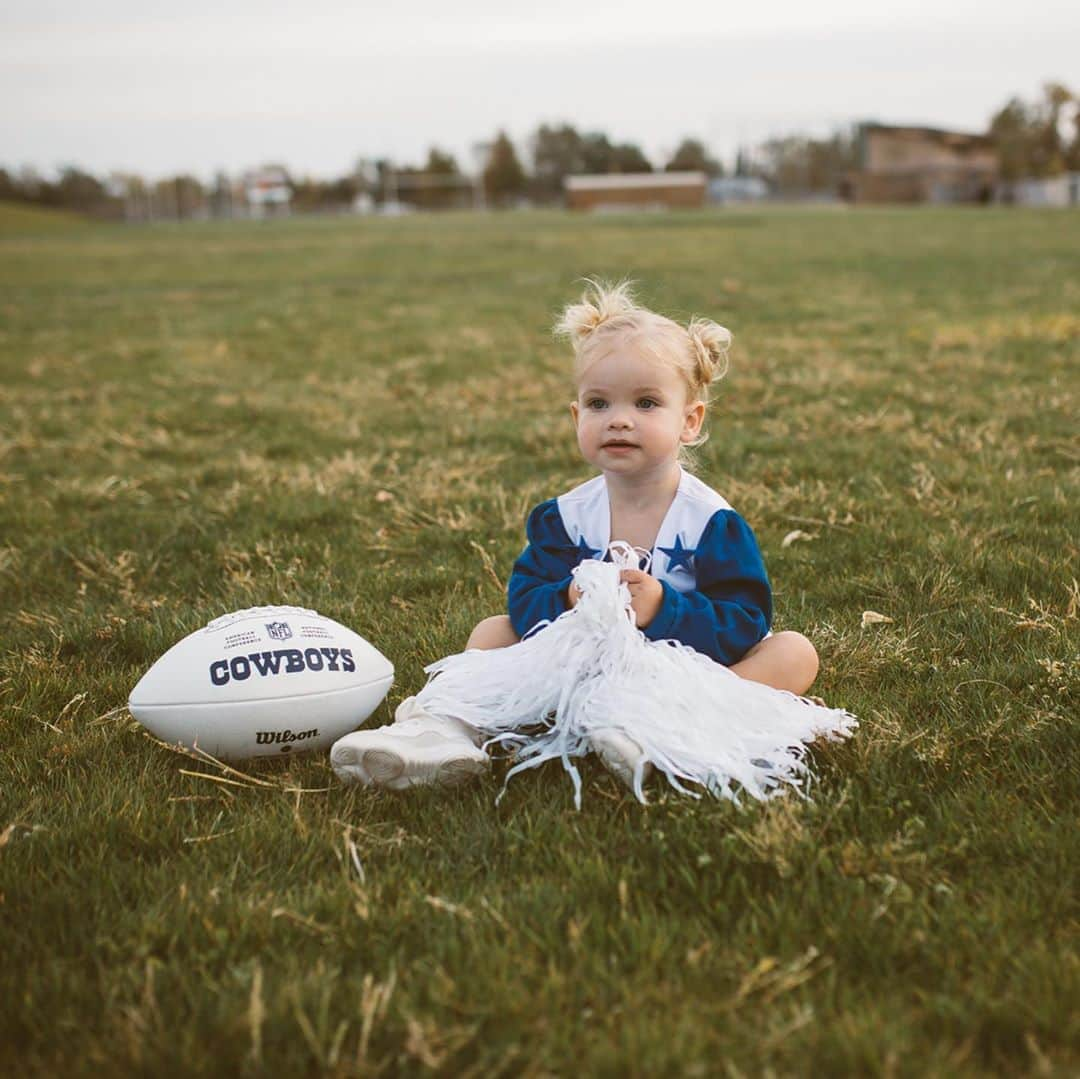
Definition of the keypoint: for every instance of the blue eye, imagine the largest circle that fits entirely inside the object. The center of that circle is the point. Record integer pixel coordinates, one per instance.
(647, 403)
(596, 403)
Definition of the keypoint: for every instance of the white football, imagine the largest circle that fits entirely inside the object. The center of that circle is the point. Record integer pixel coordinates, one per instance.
(262, 682)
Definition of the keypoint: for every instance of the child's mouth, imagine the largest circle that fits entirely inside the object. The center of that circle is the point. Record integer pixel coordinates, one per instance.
(618, 446)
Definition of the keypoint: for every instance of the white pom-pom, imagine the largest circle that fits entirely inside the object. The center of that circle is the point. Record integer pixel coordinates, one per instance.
(592, 670)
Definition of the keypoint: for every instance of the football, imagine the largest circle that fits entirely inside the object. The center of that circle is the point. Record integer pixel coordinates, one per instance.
(262, 682)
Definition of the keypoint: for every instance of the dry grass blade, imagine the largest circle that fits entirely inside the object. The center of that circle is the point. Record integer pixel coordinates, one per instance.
(1073, 607)
(874, 618)
(203, 757)
(499, 919)
(216, 779)
(110, 716)
(374, 999)
(802, 1017)
(769, 979)
(450, 908)
(210, 837)
(256, 1015)
(299, 919)
(211, 759)
(354, 856)
(73, 703)
(488, 564)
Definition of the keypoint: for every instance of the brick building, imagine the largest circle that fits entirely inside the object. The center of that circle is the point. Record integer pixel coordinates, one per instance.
(636, 190)
(922, 164)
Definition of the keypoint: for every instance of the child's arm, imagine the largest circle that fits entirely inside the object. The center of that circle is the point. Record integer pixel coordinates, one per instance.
(730, 610)
(541, 575)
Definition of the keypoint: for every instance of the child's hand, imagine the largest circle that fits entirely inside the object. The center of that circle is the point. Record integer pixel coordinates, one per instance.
(646, 594)
(573, 594)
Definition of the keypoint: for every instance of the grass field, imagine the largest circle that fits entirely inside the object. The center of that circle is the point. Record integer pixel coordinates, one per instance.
(355, 415)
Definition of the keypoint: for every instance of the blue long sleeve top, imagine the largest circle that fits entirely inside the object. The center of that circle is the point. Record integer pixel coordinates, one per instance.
(716, 593)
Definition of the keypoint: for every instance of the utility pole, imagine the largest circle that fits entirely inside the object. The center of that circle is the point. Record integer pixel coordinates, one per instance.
(481, 154)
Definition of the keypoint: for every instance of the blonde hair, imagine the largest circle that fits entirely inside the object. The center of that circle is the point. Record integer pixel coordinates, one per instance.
(607, 317)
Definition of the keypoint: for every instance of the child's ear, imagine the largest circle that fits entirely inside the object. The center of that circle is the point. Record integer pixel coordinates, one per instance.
(574, 412)
(695, 417)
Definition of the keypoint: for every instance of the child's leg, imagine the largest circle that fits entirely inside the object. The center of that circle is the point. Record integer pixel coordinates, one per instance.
(619, 754)
(418, 748)
(494, 632)
(784, 661)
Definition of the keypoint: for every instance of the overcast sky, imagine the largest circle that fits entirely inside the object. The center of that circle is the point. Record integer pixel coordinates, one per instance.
(196, 86)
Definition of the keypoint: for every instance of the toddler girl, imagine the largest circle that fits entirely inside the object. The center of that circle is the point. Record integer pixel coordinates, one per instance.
(642, 392)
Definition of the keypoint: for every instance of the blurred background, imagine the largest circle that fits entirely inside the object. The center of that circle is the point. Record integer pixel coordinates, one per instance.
(141, 111)
(348, 398)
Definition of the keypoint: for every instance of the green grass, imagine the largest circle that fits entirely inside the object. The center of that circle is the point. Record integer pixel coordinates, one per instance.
(17, 217)
(196, 419)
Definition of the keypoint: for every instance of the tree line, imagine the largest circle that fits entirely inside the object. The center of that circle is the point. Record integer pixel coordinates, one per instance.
(553, 153)
(1039, 138)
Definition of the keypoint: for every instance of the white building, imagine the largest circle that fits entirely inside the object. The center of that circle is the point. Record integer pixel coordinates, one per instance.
(725, 189)
(1059, 191)
(267, 192)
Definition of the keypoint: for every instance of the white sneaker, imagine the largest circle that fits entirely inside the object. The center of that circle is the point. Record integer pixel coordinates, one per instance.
(620, 755)
(416, 749)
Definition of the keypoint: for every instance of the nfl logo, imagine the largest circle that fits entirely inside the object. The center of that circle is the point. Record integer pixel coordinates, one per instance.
(279, 631)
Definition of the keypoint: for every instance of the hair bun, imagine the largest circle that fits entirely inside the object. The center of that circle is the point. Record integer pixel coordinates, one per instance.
(600, 302)
(711, 342)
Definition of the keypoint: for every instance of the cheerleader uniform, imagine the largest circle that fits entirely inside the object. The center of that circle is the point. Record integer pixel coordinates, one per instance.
(716, 599)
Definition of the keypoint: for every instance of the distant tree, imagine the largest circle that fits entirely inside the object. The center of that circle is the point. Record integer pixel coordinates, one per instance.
(1052, 146)
(78, 190)
(798, 164)
(31, 182)
(340, 193)
(311, 195)
(437, 185)
(134, 194)
(73, 189)
(179, 196)
(600, 155)
(1072, 152)
(221, 195)
(504, 178)
(1028, 138)
(1010, 130)
(385, 180)
(440, 164)
(597, 153)
(784, 163)
(163, 199)
(557, 152)
(190, 195)
(691, 156)
(743, 165)
(306, 193)
(629, 158)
